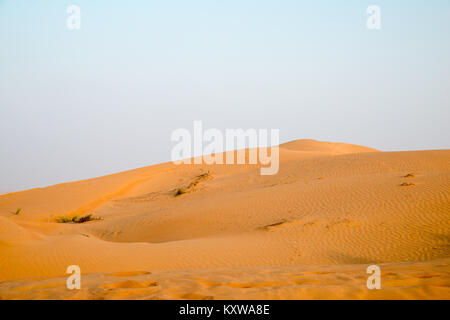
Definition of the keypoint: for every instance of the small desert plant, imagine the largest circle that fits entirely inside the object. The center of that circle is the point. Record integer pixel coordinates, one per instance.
(63, 220)
(87, 218)
(180, 191)
(77, 219)
(193, 184)
(17, 212)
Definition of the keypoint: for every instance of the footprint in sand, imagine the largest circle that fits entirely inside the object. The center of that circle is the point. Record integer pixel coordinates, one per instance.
(409, 175)
(309, 224)
(407, 184)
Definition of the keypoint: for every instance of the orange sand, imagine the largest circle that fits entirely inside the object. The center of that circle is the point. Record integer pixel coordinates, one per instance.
(309, 231)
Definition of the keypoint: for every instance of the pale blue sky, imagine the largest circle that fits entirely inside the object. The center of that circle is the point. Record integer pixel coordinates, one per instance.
(103, 99)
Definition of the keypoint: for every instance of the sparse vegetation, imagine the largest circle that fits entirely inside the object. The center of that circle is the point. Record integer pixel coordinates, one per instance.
(77, 219)
(193, 184)
(17, 212)
(63, 220)
(409, 175)
(180, 191)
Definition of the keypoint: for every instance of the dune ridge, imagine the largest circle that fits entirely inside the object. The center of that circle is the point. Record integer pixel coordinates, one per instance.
(333, 207)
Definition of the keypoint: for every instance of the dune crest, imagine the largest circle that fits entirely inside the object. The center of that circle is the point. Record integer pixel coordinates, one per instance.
(309, 145)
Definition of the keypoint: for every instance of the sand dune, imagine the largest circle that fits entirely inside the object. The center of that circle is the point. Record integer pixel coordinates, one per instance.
(309, 231)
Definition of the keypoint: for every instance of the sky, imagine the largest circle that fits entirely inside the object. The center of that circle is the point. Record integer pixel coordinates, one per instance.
(76, 104)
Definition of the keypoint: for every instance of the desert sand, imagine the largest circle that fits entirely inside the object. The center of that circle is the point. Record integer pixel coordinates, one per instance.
(308, 232)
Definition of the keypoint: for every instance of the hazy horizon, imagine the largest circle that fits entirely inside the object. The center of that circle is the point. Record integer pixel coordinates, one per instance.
(2, 192)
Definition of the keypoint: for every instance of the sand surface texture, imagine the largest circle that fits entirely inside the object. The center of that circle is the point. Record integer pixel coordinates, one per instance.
(227, 232)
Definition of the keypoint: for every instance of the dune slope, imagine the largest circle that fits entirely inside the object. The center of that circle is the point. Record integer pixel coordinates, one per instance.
(332, 210)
